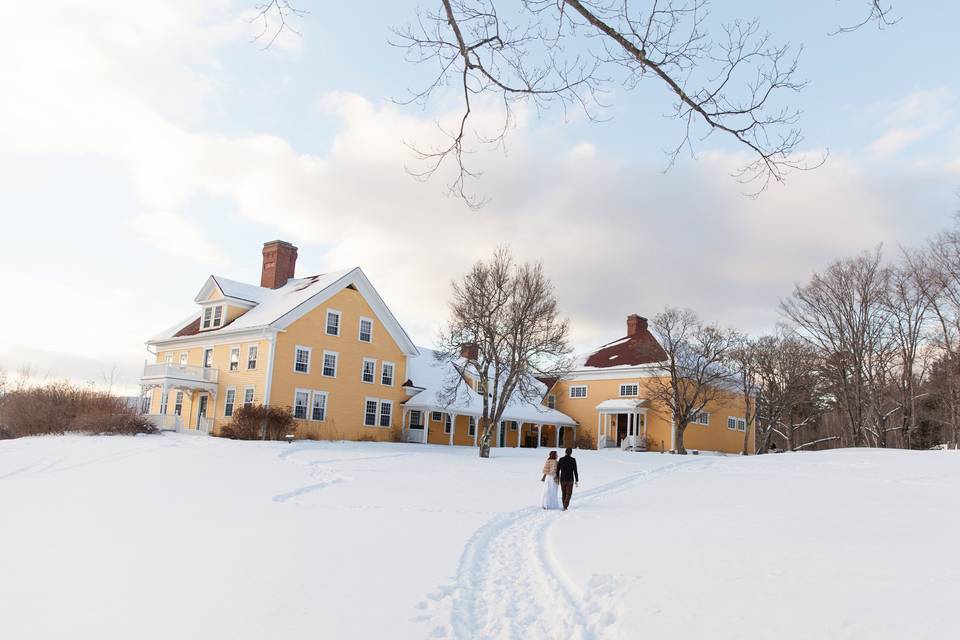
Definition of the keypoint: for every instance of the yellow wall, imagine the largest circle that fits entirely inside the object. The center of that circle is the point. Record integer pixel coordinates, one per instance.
(712, 437)
(347, 393)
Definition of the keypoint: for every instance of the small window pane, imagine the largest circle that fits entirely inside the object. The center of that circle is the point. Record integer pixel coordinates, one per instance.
(385, 408)
(386, 376)
(366, 330)
(248, 397)
(252, 357)
(369, 366)
(302, 363)
(330, 365)
(319, 411)
(333, 323)
(300, 405)
(234, 358)
(228, 402)
(370, 413)
(217, 316)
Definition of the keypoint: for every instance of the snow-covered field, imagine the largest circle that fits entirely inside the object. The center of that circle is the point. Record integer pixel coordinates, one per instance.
(183, 537)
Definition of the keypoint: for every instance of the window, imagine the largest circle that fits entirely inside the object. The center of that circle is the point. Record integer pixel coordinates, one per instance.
(552, 401)
(300, 401)
(248, 397)
(447, 423)
(169, 358)
(178, 403)
(472, 428)
(145, 404)
(228, 402)
(330, 364)
(369, 369)
(207, 315)
(732, 423)
(301, 360)
(252, 357)
(370, 413)
(333, 322)
(629, 390)
(218, 315)
(578, 391)
(183, 359)
(366, 330)
(741, 424)
(386, 374)
(386, 413)
(163, 403)
(234, 358)
(513, 425)
(318, 410)
(436, 416)
(416, 419)
(701, 418)
(480, 387)
(208, 357)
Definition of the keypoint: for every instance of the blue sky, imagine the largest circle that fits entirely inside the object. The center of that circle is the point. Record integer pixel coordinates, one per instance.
(142, 149)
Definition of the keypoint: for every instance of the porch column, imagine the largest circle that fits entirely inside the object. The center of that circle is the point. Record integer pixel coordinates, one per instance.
(426, 427)
(539, 434)
(403, 423)
(476, 429)
(599, 420)
(453, 426)
(556, 429)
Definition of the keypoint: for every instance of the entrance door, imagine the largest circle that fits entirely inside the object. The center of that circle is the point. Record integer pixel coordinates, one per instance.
(416, 432)
(623, 423)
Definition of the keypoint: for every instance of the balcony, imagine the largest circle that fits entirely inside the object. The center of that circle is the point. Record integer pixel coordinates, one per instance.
(184, 377)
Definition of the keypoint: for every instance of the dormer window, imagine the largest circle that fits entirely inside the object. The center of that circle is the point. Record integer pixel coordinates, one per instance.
(212, 317)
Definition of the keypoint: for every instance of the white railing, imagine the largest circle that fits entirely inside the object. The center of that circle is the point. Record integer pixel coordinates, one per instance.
(180, 372)
(166, 421)
(205, 425)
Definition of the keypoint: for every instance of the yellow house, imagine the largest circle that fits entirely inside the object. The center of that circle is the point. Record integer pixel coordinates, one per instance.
(607, 393)
(328, 347)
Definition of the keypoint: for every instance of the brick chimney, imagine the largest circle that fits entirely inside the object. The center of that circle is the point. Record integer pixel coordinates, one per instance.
(470, 351)
(635, 324)
(279, 263)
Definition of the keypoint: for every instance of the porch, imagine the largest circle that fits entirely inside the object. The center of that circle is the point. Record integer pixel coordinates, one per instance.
(187, 396)
(622, 423)
(424, 426)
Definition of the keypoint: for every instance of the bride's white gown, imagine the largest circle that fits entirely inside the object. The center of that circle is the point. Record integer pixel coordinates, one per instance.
(551, 493)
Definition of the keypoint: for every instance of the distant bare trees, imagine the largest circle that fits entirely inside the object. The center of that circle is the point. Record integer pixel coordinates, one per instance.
(695, 372)
(506, 318)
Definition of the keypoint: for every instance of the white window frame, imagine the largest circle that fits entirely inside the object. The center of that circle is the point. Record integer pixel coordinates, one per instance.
(183, 358)
(164, 402)
(742, 425)
(552, 400)
(436, 416)
(389, 424)
(253, 395)
(145, 403)
(360, 329)
(447, 423)
(178, 404)
(731, 423)
(256, 354)
(235, 349)
(326, 322)
(373, 371)
(296, 352)
(393, 372)
(629, 395)
(513, 424)
(471, 426)
(206, 318)
(313, 405)
(221, 309)
(297, 394)
(228, 403)
(416, 423)
(207, 350)
(702, 418)
(376, 412)
(578, 386)
(168, 358)
(336, 363)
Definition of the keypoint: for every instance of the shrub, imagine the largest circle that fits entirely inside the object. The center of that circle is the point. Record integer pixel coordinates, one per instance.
(248, 423)
(61, 407)
(584, 441)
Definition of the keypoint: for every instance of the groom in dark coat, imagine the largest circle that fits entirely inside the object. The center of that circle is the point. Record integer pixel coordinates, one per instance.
(567, 475)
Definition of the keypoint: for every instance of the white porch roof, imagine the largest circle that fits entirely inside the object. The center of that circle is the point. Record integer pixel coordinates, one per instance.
(620, 405)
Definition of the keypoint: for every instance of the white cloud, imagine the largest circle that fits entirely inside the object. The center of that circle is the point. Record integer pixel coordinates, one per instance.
(179, 236)
(914, 117)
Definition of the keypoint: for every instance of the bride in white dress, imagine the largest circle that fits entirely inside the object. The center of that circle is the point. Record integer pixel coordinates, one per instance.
(551, 495)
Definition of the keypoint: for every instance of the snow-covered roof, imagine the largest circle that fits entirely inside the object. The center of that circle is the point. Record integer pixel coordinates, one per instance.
(434, 375)
(278, 308)
(619, 405)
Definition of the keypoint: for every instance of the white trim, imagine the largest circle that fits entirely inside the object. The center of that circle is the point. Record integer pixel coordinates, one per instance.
(323, 363)
(272, 347)
(326, 322)
(380, 414)
(360, 329)
(373, 371)
(226, 398)
(393, 372)
(376, 413)
(296, 351)
(734, 419)
(239, 349)
(256, 360)
(253, 400)
(203, 357)
(635, 385)
(577, 386)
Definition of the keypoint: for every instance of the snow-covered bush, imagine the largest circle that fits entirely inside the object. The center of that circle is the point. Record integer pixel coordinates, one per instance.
(249, 422)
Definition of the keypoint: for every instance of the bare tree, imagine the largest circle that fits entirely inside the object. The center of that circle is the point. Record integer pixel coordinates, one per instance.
(744, 362)
(508, 315)
(570, 52)
(841, 313)
(695, 372)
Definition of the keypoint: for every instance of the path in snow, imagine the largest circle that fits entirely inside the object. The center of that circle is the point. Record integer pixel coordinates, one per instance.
(510, 585)
(327, 476)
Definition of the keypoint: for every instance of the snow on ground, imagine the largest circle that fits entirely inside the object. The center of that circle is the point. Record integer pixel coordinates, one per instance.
(176, 536)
